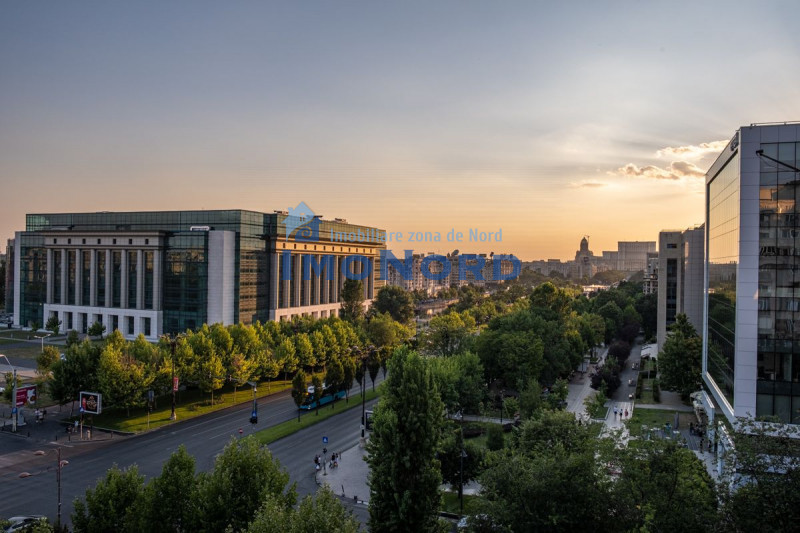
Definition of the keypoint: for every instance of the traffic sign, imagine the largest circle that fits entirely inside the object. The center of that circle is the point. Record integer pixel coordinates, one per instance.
(13, 410)
(324, 440)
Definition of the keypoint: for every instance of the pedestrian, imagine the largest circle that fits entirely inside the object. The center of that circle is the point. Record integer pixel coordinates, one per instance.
(615, 413)
(626, 413)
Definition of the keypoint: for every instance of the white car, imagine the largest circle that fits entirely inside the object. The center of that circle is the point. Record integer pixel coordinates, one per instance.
(19, 523)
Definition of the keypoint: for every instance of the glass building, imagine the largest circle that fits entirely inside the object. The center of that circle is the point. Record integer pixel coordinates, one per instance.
(158, 272)
(751, 351)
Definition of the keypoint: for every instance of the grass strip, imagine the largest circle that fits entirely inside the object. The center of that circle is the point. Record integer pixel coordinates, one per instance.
(309, 418)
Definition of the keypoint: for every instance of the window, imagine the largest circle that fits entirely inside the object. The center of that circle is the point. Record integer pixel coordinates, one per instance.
(672, 245)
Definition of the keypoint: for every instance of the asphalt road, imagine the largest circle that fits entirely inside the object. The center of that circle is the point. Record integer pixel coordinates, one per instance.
(204, 437)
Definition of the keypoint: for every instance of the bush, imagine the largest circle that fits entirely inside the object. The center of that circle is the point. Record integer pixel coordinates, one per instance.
(620, 350)
(656, 391)
(494, 438)
(639, 385)
(72, 338)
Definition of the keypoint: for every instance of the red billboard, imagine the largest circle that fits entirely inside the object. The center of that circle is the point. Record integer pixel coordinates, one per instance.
(91, 403)
(26, 395)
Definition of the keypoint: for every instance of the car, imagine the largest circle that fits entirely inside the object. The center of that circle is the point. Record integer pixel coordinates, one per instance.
(20, 523)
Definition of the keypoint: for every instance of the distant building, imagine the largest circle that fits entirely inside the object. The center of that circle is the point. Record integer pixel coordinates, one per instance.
(632, 255)
(650, 281)
(583, 267)
(679, 278)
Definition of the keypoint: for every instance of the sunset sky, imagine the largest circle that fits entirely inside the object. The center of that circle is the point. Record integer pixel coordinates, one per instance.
(550, 120)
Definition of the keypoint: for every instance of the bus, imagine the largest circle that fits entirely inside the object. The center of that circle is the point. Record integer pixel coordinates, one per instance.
(328, 396)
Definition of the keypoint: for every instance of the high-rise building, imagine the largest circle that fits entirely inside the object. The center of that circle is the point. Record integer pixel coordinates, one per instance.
(680, 278)
(632, 255)
(583, 267)
(157, 272)
(751, 348)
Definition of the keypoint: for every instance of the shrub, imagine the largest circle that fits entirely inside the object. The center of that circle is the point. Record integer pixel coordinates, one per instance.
(656, 391)
(494, 438)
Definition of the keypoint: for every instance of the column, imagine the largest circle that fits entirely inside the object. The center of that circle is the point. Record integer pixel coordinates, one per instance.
(371, 279)
(324, 284)
(273, 281)
(109, 284)
(296, 279)
(287, 285)
(318, 279)
(49, 276)
(156, 282)
(93, 277)
(306, 282)
(334, 284)
(139, 279)
(63, 288)
(342, 276)
(123, 284)
(78, 278)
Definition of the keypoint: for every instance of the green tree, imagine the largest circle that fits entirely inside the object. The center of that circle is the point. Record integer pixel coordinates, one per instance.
(96, 330)
(76, 373)
(319, 391)
(657, 478)
(286, 356)
(72, 337)
(53, 324)
(334, 377)
(349, 369)
(169, 498)
(299, 390)
(210, 374)
(396, 301)
(240, 370)
(46, 360)
(453, 469)
(121, 378)
(352, 298)
(304, 351)
(113, 505)
(404, 472)
(449, 333)
(321, 513)
(558, 394)
(318, 344)
(244, 475)
(494, 437)
(680, 360)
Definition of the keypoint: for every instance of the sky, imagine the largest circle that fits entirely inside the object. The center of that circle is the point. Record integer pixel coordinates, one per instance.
(545, 120)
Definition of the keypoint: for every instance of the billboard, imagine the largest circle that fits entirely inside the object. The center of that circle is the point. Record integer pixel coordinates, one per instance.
(26, 395)
(91, 403)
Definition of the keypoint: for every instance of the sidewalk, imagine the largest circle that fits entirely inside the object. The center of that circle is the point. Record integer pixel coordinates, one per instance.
(349, 479)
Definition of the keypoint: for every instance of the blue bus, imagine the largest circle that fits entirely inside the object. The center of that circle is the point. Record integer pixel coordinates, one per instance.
(327, 397)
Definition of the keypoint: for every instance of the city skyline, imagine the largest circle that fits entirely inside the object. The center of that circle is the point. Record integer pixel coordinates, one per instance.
(547, 124)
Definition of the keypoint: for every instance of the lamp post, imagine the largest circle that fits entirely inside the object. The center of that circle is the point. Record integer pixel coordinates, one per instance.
(254, 414)
(59, 465)
(13, 394)
(462, 455)
(42, 337)
(173, 343)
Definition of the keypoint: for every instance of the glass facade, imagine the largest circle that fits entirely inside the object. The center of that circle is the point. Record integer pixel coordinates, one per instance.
(722, 258)
(672, 290)
(778, 363)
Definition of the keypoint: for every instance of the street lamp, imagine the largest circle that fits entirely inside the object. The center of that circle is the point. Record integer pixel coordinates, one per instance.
(13, 394)
(42, 337)
(463, 454)
(173, 343)
(61, 463)
(254, 414)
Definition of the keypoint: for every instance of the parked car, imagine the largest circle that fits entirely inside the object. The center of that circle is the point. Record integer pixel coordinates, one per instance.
(20, 523)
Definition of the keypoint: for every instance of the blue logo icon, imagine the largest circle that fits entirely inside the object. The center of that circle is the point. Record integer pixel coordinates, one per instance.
(324, 440)
(303, 223)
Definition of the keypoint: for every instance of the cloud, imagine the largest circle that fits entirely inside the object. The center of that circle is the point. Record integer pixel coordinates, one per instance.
(588, 184)
(675, 171)
(692, 151)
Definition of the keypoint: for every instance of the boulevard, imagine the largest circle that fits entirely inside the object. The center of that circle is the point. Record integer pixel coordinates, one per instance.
(204, 437)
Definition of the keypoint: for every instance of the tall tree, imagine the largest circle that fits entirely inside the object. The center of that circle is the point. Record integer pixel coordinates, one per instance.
(240, 370)
(334, 378)
(299, 390)
(113, 505)
(122, 379)
(404, 471)
(169, 498)
(286, 354)
(352, 298)
(396, 301)
(53, 324)
(304, 350)
(680, 361)
(321, 513)
(244, 475)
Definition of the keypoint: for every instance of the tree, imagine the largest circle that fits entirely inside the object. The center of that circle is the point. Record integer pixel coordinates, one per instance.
(349, 369)
(240, 371)
(334, 378)
(304, 351)
(321, 513)
(169, 498)
(244, 475)
(210, 375)
(113, 505)
(121, 378)
(680, 360)
(299, 390)
(352, 298)
(286, 356)
(319, 391)
(657, 478)
(46, 360)
(396, 301)
(96, 330)
(53, 324)
(558, 394)
(76, 373)
(73, 338)
(449, 333)
(453, 469)
(404, 472)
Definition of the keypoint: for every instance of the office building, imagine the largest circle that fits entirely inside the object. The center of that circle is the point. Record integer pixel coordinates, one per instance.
(632, 255)
(157, 272)
(679, 278)
(751, 349)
